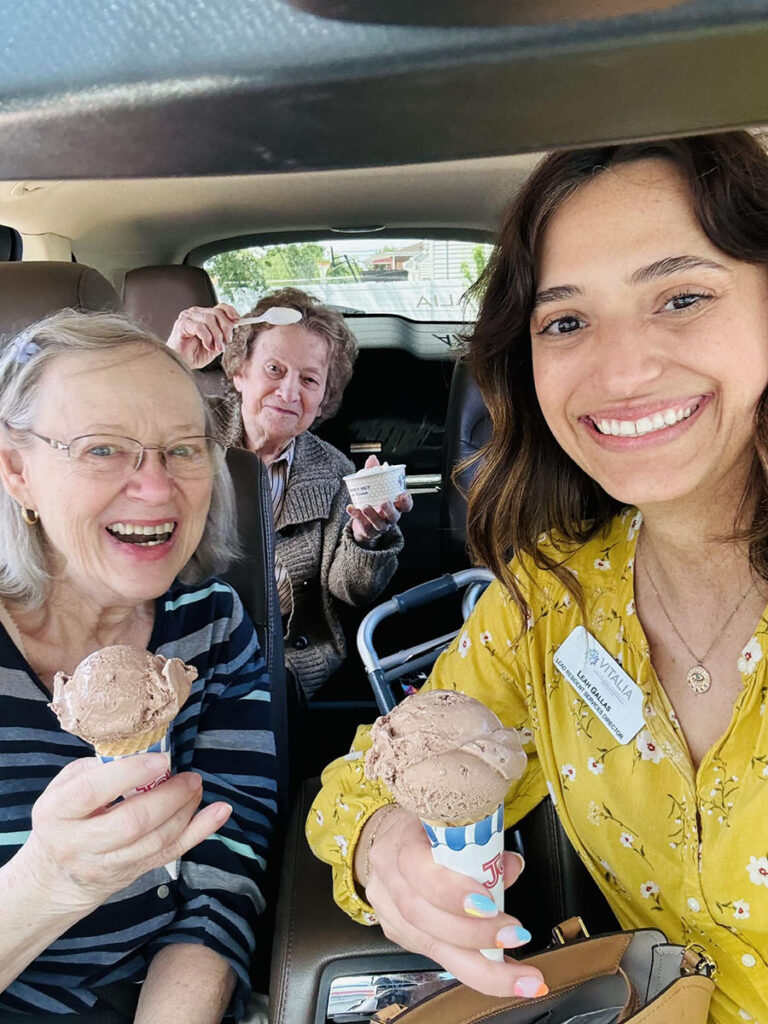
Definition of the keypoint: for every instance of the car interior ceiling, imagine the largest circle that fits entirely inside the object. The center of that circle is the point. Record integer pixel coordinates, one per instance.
(123, 154)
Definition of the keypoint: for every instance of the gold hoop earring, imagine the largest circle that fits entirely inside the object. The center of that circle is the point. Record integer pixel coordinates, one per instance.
(30, 516)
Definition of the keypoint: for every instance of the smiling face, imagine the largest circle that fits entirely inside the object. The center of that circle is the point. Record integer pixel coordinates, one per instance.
(282, 386)
(650, 345)
(91, 522)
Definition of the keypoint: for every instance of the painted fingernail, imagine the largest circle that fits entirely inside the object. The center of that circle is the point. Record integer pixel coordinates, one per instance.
(477, 905)
(511, 936)
(530, 988)
(521, 858)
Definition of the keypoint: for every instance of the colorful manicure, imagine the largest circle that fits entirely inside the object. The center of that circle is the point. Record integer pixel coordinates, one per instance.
(530, 988)
(477, 905)
(512, 936)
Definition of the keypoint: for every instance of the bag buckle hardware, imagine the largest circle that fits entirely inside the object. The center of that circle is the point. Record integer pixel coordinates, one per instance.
(569, 931)
(388, 1013)
(696, 960)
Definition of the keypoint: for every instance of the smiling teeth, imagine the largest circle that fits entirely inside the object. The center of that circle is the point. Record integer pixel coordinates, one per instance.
(126, 529)
(645, 425)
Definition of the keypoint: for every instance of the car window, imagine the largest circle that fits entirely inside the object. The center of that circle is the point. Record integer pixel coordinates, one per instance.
(418, 278)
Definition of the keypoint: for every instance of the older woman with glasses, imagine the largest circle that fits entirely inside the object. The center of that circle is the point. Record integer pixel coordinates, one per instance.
(116, 507)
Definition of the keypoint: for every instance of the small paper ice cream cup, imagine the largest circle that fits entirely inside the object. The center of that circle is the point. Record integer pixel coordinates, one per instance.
(376, 485)
(155, 742)
(477, 851)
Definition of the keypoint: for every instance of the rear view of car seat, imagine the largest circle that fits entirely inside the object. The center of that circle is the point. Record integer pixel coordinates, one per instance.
(154, 297)
(29, 291)
(467, 428)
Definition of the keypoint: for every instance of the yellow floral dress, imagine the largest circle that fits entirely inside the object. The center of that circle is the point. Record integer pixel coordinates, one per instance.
(683, 851)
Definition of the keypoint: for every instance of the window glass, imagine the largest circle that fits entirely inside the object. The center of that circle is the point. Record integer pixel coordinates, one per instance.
(418, 278)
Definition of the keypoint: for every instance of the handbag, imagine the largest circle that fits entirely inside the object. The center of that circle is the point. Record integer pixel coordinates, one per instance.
(635, 976)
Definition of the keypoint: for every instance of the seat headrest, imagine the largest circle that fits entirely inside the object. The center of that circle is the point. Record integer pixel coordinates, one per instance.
(29, 291)
(154, 296)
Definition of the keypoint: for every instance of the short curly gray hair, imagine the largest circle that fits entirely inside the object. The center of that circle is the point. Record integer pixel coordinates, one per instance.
(23, 360)
(315, 318)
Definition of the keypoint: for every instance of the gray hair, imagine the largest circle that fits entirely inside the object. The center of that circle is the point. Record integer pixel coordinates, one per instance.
(23, 360)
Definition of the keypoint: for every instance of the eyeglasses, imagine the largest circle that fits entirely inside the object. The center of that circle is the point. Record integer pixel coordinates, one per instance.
(107, 455)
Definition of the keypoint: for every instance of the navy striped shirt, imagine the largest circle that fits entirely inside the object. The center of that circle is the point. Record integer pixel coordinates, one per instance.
(224, 733)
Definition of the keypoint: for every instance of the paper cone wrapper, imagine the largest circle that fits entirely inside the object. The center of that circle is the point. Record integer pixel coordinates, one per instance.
(159, 743)
(477, 851)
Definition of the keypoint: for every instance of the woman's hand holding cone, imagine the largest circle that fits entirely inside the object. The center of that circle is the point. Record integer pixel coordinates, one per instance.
(84, 846)
(436, 912)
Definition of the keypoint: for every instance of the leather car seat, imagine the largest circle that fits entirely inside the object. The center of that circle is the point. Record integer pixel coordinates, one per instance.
(154, 296)
(467, 428)
(29, 291)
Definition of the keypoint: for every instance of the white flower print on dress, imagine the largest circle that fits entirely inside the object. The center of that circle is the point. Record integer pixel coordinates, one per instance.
(740, 910)
(648, 749)
(626, 839)
(603, 564)
(758, 870)
(648, 889)
(635, 523)
(630, 609)
(319, 816)
(749, 657)
(370, 918)
(595, 813)
(485, 638)
(595, 766)
(526, 735)
(464, 644)
(343, 844)
(568, 772)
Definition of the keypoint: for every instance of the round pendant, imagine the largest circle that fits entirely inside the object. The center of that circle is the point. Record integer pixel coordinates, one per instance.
(699, 679)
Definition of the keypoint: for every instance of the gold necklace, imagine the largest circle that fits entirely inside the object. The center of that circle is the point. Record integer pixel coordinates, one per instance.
(698, 677)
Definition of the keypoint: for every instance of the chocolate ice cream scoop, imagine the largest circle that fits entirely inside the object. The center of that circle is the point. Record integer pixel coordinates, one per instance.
(445, 756)
(120, 692)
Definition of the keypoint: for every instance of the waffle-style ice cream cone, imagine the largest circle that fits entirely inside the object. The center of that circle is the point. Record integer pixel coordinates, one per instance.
(137, 744)
(122, 700)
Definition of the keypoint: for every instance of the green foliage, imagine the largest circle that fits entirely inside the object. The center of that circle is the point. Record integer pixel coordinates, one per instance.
(295, 262)
(236, 270)
(255, 270)
(479, 259)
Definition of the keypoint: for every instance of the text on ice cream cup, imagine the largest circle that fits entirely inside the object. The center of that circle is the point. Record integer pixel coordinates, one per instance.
(376, 485)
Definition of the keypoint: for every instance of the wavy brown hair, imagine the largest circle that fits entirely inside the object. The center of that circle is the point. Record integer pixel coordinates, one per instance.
(316, 318)
(525, 484)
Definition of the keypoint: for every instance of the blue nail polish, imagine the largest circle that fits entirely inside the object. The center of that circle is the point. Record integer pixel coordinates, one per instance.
(512, 936)
(477, 905)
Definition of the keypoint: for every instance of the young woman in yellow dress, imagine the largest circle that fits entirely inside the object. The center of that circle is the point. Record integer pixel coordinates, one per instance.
(622, 348)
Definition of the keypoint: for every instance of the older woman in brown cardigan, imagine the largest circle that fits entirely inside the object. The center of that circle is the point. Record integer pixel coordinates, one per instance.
(283, 380)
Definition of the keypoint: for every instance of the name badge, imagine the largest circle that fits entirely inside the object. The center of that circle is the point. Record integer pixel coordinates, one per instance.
(602, 683)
